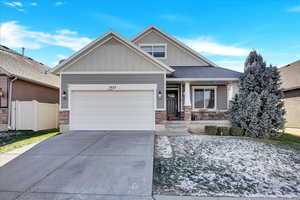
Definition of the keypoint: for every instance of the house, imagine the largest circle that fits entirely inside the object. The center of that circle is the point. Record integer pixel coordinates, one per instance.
(23, 79)
(290, 75)
(142, 84)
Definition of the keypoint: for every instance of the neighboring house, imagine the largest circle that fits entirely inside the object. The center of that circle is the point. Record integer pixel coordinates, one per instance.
(290, 75)
(23, 79)
(117, 84)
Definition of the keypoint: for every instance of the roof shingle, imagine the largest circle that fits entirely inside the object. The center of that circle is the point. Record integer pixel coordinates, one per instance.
(26, 68)
(203, 72)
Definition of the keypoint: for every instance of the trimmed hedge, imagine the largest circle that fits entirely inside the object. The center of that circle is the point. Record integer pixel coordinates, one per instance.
(236, 131)
(223, 130)
(211, 130)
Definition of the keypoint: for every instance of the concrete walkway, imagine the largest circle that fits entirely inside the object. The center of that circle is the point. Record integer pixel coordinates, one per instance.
(293, 131)
(83, 165)
(8, 156)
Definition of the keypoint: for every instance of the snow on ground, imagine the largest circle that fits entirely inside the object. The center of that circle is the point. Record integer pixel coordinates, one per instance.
(163, 147)
(226, 166)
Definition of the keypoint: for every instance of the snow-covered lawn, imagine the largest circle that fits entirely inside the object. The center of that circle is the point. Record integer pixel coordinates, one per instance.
(225, 166)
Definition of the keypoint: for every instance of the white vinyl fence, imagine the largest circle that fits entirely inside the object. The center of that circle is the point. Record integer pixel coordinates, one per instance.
(32, 115)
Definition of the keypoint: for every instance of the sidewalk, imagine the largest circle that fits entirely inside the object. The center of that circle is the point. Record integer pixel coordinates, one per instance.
(8, 156)
(293, 131)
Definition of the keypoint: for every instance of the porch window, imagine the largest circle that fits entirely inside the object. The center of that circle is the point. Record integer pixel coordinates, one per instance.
(204, 97)
(156, 50)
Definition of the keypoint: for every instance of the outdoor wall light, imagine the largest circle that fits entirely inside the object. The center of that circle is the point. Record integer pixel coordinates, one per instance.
(64, 95)
(159, 94)
(1, 93)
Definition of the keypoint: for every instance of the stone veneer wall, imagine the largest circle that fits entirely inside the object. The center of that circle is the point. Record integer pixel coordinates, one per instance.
(204, 115)
(3, 115)
(3, 119)
(160, 117)
(64, 117)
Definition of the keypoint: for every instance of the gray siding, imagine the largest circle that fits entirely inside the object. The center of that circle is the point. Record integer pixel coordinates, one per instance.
(112, 56)
(114, 79)
(176, 56)
(222, 97)
(292, 107)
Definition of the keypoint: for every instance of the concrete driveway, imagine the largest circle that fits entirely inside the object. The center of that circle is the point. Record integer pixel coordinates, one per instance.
(93, 165)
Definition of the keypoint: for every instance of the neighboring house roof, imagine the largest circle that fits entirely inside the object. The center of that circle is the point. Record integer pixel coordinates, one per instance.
(88, 48)
(25, 68)
(204, 72)
(176, 42)
(290, 76)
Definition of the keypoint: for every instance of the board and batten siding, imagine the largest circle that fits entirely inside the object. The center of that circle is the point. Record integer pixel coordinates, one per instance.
(176, 56)
(158, 79)
(112, 56)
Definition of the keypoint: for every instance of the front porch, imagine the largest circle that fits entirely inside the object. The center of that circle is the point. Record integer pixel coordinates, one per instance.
(192, 105)
(198, 100)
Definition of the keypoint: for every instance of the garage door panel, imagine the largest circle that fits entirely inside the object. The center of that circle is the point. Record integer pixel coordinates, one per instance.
(112, 110)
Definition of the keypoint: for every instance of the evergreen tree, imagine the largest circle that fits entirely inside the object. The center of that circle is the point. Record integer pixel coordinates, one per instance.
(258, 107)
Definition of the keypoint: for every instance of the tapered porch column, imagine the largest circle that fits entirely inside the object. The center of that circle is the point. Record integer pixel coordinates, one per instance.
(187, 102)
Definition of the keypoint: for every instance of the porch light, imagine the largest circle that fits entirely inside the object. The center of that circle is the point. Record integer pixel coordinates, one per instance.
(64, 95)
(159, 94)
(1, 93)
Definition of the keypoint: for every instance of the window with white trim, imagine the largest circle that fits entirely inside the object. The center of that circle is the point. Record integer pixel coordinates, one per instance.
(204, 97)
(156, 50)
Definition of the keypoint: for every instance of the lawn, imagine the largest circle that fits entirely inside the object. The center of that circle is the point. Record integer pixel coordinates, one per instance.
(226, 166)
(288, 140)
(16, 139)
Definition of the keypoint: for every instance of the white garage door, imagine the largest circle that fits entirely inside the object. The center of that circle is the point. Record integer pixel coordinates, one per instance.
(112, 110)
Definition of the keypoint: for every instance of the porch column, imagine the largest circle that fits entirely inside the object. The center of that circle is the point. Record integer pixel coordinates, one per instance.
(187, 102)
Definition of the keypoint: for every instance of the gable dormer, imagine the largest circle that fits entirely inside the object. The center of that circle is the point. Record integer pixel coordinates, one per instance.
(167, 49)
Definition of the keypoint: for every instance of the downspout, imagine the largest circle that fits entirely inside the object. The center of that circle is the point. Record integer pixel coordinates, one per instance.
(9, 101)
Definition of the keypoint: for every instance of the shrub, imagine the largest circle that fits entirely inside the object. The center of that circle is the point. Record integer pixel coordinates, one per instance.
(236, 131)
(211, 130)
(223, 130)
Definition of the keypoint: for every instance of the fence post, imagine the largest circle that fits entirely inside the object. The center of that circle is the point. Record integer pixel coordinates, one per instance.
(35, 115)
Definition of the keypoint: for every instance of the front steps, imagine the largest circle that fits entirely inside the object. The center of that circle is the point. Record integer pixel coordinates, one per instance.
(177, 126)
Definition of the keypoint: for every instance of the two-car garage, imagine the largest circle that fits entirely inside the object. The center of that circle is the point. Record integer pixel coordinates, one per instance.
(107, 107)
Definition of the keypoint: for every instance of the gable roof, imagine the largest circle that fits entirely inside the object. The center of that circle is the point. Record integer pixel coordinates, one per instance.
(25, 68)
(174, 41)
(204, 72)
(290, 76)
(88, 48)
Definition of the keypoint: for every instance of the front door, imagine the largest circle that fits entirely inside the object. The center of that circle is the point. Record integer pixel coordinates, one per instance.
(172, 104)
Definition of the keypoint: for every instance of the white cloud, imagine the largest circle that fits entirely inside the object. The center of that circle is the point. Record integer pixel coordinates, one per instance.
(237, 65)
(66, 32)
(60, 57)
(15, 36)
(13, 4)
(294, 9)
(209, 46)
(59, 3)
(33, 4)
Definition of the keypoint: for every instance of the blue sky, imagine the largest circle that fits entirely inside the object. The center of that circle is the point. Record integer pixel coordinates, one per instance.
(223, 31)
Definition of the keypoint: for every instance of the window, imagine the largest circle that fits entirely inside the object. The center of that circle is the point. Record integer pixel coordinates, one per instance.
(204, 97)
(156, 50)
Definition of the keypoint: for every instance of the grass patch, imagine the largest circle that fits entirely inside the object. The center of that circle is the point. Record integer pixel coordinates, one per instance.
(17, 139)
(289, 140)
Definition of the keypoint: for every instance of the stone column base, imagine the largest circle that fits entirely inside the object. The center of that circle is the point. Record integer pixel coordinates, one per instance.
(160, 117)
(187, 113)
